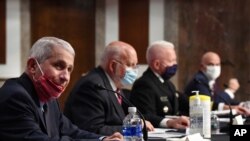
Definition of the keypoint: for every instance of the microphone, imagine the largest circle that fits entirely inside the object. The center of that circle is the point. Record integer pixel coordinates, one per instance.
(230, 109)
(226, 129)
(144, 130)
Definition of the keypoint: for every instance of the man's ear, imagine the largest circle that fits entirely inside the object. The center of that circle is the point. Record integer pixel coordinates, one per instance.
(112, 66)
(31, 65)
(203, 67)
(156, 64)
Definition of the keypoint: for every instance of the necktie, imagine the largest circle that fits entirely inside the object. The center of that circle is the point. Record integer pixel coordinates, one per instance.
(119, 97)
(44, 110)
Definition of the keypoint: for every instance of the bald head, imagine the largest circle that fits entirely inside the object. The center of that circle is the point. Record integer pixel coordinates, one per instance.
(211, 65)
(117, 58)
(120, 51)
(210, 58)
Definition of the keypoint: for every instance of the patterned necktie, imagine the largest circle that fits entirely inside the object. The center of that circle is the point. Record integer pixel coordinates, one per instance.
(119, 97)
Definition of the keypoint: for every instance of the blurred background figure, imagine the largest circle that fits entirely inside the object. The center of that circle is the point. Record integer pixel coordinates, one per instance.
(229, 92)
(204, 82)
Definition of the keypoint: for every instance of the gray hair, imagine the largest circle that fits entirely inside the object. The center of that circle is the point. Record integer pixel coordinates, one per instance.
(150, 54)
(42, 48)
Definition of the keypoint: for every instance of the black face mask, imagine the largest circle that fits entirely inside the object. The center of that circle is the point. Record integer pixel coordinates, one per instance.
(169, 72)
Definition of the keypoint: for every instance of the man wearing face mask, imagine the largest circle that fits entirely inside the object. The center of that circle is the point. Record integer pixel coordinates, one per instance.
(29, 109)
(153, 93)
(97, 110)
(204, 80)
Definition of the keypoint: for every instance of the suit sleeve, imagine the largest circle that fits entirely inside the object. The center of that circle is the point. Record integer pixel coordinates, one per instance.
(203, 89)
(143, 98)
(68, 129)
(88, 110)
(20, 120)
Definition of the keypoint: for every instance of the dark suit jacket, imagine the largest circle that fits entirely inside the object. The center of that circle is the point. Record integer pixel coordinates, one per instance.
(223, 97)
(22, 119)
(151, 96)
(93, 109)
(200, 83)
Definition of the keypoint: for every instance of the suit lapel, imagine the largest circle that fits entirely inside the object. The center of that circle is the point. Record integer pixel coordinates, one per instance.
(111, 95)
(41, 117)
(117, 106)
(48, 120)
(163, 89)
(28, 85)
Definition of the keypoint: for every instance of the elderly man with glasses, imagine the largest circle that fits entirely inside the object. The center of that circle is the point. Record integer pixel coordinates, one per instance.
(102, 111)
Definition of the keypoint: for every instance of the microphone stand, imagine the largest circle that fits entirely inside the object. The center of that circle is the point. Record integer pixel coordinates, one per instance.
(144, 130)
(230, 113)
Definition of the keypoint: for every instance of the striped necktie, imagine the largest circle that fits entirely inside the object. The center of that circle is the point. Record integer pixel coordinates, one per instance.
(119, 97)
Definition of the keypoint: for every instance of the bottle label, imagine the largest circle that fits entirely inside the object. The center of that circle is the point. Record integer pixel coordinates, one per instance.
(200, 116)
(196, 123)
(134, 130)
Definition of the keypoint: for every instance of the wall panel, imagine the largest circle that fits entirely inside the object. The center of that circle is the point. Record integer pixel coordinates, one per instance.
(219, 26)
(73, 21)
(134, 25)
(3, 31)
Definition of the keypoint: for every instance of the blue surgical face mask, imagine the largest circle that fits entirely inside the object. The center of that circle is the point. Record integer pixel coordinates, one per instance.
(169, 72)
(130, 76)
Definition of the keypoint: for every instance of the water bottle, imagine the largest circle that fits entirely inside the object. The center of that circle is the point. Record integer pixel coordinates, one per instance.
(215, 124)
(132, 126)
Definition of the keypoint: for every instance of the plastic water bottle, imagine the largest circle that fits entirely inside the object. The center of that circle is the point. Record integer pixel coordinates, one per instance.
(215, 124)
(132, 126)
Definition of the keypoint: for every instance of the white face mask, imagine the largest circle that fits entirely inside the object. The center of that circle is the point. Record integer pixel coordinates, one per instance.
(212, 72)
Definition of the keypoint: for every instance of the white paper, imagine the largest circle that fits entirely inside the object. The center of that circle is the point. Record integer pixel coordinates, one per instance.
(165, 133)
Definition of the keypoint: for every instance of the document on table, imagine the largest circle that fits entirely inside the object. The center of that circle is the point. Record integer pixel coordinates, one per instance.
(166, 133)
(224, 112)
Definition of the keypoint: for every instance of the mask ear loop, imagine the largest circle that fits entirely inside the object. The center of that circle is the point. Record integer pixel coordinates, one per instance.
(39, 69)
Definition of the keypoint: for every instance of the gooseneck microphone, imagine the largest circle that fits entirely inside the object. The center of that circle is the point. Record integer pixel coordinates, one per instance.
(144, 130)
(230, 109)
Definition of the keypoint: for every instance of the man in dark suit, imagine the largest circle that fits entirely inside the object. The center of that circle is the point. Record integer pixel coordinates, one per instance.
(153, 93)
(29, 110)
(204, 80)
(229, 92)
(98, 110)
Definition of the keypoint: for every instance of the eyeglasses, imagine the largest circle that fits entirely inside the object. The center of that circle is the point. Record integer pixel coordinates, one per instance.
(133, 67)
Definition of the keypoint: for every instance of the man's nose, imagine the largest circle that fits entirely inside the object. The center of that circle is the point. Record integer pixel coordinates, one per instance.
(65, 75)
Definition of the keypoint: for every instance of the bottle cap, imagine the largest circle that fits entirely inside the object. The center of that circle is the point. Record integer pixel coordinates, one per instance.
(131, 109)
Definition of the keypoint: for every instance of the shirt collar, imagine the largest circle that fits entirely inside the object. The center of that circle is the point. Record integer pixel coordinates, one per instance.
(230, 93)
(112, 83)
(159, 77)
